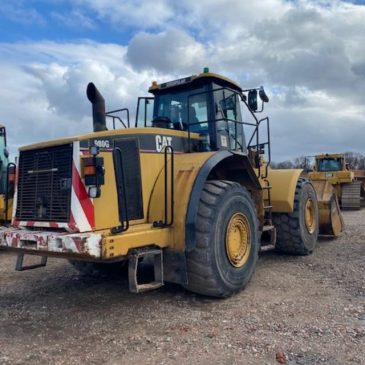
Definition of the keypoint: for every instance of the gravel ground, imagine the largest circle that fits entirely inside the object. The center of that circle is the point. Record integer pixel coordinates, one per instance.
(310, 308)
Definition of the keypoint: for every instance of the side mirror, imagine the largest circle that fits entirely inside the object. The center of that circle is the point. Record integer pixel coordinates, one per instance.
(6, 152)
(252, 100)
(263, 95)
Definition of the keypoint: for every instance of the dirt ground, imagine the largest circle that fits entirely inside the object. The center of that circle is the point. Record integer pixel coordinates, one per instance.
(311, 308)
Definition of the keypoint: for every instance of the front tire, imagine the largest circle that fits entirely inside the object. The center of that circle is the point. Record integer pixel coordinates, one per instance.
(226, 251)
(297, 232)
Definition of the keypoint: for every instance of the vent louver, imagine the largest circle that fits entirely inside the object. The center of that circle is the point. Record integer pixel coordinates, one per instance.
(44, 184)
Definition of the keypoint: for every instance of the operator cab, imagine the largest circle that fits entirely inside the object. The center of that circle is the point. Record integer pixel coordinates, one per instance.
(330, 163)
(208, 104)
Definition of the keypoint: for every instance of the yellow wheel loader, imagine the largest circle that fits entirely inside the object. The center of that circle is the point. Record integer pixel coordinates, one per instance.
(334, 169)
(7, 180)
(184, 188)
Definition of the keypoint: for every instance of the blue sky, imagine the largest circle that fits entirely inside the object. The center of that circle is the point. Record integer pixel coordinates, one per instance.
(310, 55)
(57, 20)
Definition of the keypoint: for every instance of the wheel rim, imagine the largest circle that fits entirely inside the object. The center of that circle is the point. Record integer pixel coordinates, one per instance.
(238, 240)
(310, 220)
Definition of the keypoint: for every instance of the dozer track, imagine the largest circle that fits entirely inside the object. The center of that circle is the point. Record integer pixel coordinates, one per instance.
(350, 198)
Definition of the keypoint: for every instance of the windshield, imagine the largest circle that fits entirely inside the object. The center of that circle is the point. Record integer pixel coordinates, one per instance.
(183, 108)
(328, 164)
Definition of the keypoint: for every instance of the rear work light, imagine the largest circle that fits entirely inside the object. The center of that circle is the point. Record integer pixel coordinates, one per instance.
(93, 172)
(11, 174)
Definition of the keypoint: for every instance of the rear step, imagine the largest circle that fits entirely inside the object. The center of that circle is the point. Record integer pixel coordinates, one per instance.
(20, 259)
(269, 241)
(134, 257)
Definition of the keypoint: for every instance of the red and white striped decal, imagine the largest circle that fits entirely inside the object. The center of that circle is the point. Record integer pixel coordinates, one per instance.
(82, 207)
(67, 226)
(82, 217)
(15, 197)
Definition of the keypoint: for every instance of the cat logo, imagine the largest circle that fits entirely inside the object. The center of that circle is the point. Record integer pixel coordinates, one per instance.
(162, 142)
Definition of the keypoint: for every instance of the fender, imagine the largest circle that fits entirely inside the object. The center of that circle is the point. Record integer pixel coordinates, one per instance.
(224, 165)
(283, 184)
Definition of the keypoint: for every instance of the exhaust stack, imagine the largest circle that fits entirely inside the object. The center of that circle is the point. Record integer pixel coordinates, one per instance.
(98, 102)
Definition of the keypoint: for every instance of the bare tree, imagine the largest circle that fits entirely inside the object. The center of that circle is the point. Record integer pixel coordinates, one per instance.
(354, 159)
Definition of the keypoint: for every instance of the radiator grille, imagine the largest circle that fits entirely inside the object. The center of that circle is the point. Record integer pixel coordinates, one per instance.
(44, 184)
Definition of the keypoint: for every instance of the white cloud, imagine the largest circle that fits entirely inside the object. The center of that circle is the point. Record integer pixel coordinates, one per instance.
(310, 55)
(171, 50)
(47, 99)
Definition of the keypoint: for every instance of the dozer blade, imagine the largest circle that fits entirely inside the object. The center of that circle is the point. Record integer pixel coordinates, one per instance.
(330, 217)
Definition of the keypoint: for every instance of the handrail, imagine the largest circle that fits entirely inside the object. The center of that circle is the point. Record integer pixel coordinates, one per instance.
(166, 224)
(114, 117)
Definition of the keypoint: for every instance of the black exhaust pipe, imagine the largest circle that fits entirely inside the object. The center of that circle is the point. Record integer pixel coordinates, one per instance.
(98, 102)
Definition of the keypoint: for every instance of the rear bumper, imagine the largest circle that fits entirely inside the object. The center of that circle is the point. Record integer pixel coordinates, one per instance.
(83, 244)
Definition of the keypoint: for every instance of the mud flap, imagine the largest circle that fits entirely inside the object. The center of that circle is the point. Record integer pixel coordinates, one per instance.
(330, 217)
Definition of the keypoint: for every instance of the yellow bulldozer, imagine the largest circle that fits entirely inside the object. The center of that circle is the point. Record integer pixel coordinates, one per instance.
(334, 169)
(186, 188)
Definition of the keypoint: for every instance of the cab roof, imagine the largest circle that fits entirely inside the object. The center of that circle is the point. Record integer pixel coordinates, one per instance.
(329, 155)
(192, 80)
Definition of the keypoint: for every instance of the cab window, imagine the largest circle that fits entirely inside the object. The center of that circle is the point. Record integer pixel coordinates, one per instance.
(228, 119)
(327, 164)
(180, 108)
(144, 112)
(198, 113)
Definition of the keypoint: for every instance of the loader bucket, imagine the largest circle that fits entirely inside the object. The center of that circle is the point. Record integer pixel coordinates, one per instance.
(330, 217)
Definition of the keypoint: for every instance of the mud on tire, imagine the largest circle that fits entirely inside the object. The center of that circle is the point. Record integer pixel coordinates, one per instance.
(293, 234)
(210, 269)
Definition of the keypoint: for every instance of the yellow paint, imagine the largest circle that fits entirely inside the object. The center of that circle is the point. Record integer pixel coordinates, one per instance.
(282, 193)
(238, 245)
(142, 232)
(136, 236)
(2, 208)
(345, 175)
(186, 168)
(330, 218)
(111, 133)
(106, 207)
(309, 216)
(155, 86)
(334, 177)
(323, 156)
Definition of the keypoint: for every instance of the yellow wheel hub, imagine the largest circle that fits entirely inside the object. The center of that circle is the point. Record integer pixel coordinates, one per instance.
(238, 236)
(309, 216)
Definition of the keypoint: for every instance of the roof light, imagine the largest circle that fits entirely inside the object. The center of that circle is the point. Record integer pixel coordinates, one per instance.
(154, 84)
(206, 70)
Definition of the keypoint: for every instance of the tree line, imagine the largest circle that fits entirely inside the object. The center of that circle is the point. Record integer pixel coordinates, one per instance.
(354, 159)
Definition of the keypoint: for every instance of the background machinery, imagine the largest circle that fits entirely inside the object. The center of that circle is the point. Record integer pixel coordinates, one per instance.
(7, 180)
(184, 188)
(334, 169)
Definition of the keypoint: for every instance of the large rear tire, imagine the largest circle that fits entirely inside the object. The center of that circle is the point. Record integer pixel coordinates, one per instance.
(297, 232)
(226, 251)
